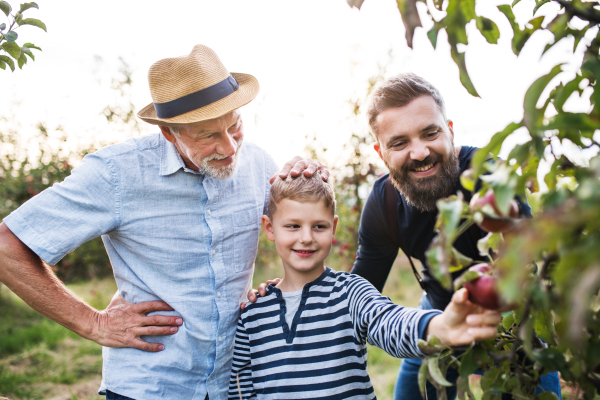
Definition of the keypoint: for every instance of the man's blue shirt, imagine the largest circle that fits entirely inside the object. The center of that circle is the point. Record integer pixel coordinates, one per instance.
(171, 234)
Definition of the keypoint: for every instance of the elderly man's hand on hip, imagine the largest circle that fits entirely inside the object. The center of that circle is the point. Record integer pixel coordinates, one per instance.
(122, 324)
(299, 165)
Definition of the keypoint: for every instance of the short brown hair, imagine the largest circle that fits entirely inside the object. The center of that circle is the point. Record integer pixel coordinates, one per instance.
(399, 91)
(303, 189)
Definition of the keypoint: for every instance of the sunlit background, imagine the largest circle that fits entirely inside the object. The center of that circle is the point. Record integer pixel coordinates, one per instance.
(314, 61)
(311, 57)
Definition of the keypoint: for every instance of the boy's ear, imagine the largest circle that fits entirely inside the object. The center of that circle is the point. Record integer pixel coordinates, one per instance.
(335, 221)
(268, 228)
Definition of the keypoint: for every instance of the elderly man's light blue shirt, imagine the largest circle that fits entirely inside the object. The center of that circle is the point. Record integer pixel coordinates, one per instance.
(171, 234)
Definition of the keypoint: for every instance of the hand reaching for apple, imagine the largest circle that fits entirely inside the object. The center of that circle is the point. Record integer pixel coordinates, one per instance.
(463, 322)
(493, 220)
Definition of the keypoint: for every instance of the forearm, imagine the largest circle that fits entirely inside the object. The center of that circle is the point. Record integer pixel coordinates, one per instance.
(23, 272)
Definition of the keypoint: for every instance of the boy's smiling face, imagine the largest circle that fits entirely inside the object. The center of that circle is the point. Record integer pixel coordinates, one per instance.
(302, 233)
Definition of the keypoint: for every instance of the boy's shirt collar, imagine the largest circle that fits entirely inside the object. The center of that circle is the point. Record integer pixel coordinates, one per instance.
(328, 272)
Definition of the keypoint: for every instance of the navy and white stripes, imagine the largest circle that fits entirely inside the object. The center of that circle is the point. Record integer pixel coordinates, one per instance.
(323, 354)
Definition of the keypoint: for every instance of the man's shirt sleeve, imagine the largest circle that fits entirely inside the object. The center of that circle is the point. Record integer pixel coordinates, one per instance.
(376, 252)
(240, 383)
(84, 206)
(377, 320)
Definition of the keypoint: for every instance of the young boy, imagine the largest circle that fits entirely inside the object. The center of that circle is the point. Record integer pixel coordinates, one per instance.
(307, 338)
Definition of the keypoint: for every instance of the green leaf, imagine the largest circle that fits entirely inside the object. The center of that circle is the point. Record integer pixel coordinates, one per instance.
(432, 35)
(33, 22)
(488, 29)
(9, 61)
(5, 7)
(436, 373)
(410, 18)
(32, 46)
(547, 396)
(508, 321)
(2, 27)
(423, 375)
(468, 364)
(463, 389)
(532, 115)
(27, 6)
(2, 64)
(11, 36)
(493, 148)
(544, 327)
(515, 2)
(489, 378)
(22, 61)
(490, 241)
(468, 276)
(13, 49)
(459, 59)
(467, 181)
(27, 51)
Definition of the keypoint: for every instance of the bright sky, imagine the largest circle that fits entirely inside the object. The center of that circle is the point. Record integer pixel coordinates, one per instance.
(309, 56)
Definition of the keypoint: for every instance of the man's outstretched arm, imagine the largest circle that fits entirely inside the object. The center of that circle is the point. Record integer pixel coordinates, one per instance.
(120, 325)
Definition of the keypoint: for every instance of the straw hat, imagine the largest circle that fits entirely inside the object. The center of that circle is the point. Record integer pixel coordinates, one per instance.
(195, 88)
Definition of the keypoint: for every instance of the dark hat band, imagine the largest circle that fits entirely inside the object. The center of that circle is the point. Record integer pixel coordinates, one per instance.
(199, 99)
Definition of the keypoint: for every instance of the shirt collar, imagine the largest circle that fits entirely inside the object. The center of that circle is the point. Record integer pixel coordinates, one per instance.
(170, 159)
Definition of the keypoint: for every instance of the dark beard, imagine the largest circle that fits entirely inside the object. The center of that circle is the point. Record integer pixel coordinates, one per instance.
(423, 193)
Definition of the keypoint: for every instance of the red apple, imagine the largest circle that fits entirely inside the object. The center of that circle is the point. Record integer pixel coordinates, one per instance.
(496, 222)
(482, 290)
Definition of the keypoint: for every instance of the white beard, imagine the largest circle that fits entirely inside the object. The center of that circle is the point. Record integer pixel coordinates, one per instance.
(220, 172)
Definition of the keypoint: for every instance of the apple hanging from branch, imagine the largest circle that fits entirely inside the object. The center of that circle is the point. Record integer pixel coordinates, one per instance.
(489, 217)
(481, 285)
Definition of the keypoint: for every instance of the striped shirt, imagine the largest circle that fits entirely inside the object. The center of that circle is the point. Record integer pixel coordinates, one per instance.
(323, 355)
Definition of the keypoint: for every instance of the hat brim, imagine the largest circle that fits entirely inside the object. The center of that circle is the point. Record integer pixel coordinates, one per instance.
(246, 92)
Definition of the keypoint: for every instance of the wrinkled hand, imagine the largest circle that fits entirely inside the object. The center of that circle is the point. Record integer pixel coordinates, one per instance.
(122, 324)
(297, 165)
(464, 322)
(262, 290)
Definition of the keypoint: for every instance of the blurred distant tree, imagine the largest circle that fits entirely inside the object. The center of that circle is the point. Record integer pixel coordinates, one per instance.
(29, 165)
(8, 36)
(557, 298)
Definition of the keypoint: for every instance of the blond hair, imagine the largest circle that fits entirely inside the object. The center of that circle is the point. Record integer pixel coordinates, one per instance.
(303, 189)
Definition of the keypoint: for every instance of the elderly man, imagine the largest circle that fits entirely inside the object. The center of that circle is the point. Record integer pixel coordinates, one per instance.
(179, 214)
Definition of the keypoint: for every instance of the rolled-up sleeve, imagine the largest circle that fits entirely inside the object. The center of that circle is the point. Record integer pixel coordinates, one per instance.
(59, 219)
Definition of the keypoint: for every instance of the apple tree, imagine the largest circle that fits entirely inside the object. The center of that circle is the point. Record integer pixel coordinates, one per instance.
(10, 51)
(547, 269)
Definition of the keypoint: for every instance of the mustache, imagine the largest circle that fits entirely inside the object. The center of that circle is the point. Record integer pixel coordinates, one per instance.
(219, 156)
(430, 159)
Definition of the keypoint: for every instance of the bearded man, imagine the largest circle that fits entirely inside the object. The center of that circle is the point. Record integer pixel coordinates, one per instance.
(179, 214)
(415, 140)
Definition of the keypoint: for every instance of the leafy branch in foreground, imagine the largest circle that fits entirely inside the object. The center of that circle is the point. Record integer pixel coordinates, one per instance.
(8, 36)
(555, 325)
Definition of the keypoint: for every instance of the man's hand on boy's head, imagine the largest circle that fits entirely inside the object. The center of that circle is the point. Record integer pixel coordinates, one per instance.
(463, 322)
(262, 290)
(297, 165)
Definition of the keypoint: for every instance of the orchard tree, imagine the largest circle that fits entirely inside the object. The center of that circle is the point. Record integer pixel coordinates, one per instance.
(547, 268)
(8, 35)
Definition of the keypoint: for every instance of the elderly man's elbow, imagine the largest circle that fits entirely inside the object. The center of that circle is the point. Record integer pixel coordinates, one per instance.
(12, 250)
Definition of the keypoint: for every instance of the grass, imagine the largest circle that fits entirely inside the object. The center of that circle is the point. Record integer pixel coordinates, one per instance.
(40, 359)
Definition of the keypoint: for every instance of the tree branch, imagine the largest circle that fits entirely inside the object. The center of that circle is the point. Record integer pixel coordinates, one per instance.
(586, 13)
